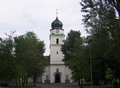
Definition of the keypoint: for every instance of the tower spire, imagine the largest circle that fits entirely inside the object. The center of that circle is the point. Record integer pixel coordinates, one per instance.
(56, 12)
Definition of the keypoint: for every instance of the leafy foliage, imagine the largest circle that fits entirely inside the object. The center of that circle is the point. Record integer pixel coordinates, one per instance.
(102, 23)
(21, 58)
(29, 52)
(73, 50)
(8, 63)
(69, 44)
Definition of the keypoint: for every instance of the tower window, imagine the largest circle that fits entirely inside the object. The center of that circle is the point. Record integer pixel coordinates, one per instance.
(57, 52)
(57, 41)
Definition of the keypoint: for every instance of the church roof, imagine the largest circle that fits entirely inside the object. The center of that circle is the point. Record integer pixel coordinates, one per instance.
(48, 60)
(56, 24)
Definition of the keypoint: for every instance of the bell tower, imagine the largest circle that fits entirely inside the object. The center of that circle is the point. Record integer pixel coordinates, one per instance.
(56, 71)
(56, 40)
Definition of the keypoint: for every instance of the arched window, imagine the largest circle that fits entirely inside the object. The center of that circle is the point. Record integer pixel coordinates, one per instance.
(57, 41)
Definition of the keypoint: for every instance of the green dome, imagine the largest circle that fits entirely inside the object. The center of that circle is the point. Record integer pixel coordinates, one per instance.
(56, 24)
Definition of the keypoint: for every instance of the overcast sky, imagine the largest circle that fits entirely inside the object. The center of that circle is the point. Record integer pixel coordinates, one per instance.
(37, 16)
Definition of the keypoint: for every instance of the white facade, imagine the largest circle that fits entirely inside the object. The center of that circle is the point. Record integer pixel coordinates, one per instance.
(56, 40)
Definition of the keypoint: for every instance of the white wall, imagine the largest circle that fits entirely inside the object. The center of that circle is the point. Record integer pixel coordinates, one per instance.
(68, 72)
(47, 72)
(54, 37)
(56, 55)
(54, 31)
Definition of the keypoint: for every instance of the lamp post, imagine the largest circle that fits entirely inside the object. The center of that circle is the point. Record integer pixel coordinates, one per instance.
(89, 42)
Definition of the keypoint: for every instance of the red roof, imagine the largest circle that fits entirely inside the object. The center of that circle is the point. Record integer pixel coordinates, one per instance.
(48, 60)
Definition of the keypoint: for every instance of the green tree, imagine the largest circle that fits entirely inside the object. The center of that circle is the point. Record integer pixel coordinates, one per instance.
(78, 63)
(29, 52)
(104, 28)
(73, 50)
(8, 65)
(113, 3)
(109, 75)
(69, 44)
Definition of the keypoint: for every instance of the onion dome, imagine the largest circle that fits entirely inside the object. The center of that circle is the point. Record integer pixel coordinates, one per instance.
(56, 24)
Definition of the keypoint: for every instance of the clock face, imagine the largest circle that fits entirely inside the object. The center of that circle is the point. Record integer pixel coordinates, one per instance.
(57, 31)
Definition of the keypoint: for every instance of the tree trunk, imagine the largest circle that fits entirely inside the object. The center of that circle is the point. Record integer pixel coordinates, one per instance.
(115, 84)
(34, 80)
(23, 81)
(16, 84)
(81, 83)
(26, 82)
(19, 81)
(78, 82)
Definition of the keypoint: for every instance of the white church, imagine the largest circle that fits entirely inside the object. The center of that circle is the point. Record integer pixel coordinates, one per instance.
(56, 71)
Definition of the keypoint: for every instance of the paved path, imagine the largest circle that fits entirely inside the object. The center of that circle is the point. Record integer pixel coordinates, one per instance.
(57, 85)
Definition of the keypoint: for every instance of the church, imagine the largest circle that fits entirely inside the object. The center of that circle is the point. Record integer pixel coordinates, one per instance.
(56, 71)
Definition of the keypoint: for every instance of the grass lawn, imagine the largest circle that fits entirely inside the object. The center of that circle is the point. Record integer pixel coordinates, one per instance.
(103, 86)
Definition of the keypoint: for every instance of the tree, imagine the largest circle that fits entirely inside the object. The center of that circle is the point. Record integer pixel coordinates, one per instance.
(113, 3)
(102, 23)
(78, 63)
(29, 52)
(8, 65)
(109, 75)
(73, 50)
(69, 44)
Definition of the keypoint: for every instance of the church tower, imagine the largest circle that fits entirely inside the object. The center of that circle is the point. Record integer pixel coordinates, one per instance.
(56, 71)
(56, 40)
(56, 56)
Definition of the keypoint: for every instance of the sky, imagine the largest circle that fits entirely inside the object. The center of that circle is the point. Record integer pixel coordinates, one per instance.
(37, 16)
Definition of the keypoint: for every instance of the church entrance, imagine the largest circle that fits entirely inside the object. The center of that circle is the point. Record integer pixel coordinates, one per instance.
(57, 77)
